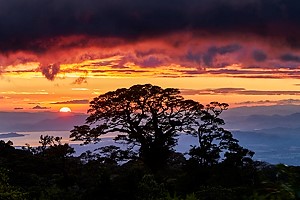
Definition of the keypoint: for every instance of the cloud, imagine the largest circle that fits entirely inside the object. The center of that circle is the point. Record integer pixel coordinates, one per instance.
(268, 102)
(18, 108)
(288, 101)
(226, 37)
(81, 101)
(80, 89)
(80, 80)
(213, 51)
(239, 91)
(290, 57)
(133, 19)
(259, 55)
(42, 92)
(37, 107)
(50, 71)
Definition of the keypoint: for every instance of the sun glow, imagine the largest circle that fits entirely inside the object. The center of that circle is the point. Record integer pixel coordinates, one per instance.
(65, 109)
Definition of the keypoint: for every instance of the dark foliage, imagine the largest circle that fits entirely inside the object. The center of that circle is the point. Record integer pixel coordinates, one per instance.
(143, 115)
(150, 117)
(214, 141)
(27, 175)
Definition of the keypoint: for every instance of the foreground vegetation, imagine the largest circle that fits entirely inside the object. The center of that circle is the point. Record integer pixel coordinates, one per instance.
(148, 119)
(51, 173)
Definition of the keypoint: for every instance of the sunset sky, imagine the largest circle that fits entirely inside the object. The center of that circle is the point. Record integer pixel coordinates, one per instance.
(57, 53)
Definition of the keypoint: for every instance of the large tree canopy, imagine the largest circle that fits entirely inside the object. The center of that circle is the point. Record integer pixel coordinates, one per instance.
(151, 117)
(144, 115)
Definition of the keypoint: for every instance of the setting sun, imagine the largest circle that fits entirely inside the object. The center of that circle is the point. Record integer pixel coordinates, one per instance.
(65, 109)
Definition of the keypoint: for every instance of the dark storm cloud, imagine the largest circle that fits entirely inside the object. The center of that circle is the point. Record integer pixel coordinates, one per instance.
(290, 57)
(194, 57)
(259, 55)
(150, 62)
(33, 24)
(209, 56)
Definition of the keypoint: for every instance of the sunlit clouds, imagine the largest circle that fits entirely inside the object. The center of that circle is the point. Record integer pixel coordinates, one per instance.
(142, 38)
(229, 51)
(181, 55)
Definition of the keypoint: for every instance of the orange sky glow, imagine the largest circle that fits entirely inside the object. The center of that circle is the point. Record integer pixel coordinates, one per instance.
(72, 77)
(76, 50)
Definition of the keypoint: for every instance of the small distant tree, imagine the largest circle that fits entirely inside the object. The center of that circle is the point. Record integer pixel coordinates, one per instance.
(6, 145)
(214, 140)
(143, 115)
(51, 147)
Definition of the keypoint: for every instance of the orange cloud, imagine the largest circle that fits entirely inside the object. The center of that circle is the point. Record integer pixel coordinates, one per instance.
(178, 55)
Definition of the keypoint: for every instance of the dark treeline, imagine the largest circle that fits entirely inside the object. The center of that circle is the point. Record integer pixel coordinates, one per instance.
(148, 120)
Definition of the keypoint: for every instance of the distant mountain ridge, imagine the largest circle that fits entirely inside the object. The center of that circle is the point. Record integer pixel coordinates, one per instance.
(262, 117)
(262, 110)
(273, 136)
(40, 121)
(240, 118)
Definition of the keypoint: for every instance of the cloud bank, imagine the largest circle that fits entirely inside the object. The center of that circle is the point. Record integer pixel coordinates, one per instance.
(76, 101)
(238, 91)
(272, 102)
(250, 38)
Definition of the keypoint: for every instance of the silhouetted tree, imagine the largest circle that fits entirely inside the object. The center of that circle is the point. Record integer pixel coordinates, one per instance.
(143, 115)
(51, 147)
(48, 140)
(214, 140)
(6, 145)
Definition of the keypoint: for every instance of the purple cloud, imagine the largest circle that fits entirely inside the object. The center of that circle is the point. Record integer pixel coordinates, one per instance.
(37, 107)
(81, 101)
